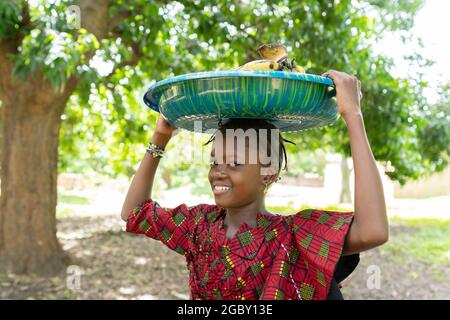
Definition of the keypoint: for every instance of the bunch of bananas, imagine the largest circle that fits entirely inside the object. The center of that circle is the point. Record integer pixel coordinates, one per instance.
(275, 57)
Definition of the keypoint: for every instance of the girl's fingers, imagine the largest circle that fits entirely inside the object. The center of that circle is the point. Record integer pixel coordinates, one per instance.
(330, 74)
(327, 72)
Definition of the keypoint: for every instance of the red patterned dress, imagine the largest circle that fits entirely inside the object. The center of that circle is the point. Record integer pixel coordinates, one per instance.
(283, 257)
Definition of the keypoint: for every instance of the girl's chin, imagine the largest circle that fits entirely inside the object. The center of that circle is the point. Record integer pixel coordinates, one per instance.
(221, 202)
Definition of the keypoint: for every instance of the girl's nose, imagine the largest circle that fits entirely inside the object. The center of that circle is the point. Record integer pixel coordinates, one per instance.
(220, 169)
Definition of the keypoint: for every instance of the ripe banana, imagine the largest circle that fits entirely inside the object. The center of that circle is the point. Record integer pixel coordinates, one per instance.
(260, 65)
(298, 69)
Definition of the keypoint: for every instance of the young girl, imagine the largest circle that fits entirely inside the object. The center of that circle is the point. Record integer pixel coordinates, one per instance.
(236, 249)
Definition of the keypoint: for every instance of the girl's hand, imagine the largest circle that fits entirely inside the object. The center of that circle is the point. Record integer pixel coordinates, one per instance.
(164, 128)
(348, 92)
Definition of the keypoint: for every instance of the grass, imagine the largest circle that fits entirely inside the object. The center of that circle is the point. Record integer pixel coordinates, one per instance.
(69, 199)
(63, 213)
(290, 210)
(429, 242)
(72, 199)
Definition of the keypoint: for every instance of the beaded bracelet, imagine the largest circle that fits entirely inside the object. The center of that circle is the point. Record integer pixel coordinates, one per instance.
(154, 150)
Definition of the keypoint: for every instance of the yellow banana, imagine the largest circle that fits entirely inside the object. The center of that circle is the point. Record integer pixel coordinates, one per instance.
(298, 69)
(260, 65)
(275, 52)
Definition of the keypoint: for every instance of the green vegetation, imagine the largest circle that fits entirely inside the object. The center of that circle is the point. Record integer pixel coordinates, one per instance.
(290, 210)
(69, 200)
(105, 125)
(72, 199)
(426, 240)
(63, 213)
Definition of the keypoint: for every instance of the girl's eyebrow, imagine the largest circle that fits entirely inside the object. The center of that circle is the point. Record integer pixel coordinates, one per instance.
(230, 158)
(235, 158)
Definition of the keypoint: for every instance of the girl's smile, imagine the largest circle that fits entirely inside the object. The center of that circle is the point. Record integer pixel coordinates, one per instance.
(220, 189)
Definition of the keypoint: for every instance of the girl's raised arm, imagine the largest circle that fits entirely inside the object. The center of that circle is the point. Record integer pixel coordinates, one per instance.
(370, 227)
(142, 183)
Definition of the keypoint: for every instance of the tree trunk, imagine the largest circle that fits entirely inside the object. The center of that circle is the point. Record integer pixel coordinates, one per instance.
(346, 196)
(28, 242)
(31, 119)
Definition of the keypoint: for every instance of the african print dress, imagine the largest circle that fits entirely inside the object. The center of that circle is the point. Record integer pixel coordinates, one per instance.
(283, 257)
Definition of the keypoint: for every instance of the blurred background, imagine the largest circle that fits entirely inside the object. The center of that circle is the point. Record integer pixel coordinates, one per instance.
(74, 130)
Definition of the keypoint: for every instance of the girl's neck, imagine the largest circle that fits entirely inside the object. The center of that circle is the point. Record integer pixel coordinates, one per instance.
(235, 217)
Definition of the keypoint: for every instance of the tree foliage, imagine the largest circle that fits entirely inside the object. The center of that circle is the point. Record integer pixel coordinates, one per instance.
(105, 125)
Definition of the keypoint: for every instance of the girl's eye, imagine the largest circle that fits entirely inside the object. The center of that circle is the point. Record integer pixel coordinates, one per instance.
(212, 163)
(234, 164)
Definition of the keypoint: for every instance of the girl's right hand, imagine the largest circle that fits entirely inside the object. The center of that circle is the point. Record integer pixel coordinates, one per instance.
(163, 127)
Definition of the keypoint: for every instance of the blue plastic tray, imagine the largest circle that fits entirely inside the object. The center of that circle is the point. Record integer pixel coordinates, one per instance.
(292, 101)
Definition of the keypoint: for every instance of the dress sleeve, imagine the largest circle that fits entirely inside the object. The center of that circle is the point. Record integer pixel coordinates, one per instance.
(172, 227)
(320, 237)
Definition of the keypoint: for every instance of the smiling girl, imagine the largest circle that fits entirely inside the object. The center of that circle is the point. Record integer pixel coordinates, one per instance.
(236, 249)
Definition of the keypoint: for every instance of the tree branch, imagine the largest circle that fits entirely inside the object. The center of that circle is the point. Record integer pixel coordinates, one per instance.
(26, 19)
(115, 21)
(11, 43)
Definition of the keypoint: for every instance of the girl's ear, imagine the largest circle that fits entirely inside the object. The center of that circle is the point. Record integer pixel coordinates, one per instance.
(268, 175)
(268, 171)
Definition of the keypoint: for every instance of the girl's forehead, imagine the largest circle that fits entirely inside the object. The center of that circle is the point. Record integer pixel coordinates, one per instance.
(237, 146)
(244, 152)
(246, 148)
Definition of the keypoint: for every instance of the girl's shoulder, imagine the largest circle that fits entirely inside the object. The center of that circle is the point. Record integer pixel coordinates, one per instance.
(313, 213)
(323, 217)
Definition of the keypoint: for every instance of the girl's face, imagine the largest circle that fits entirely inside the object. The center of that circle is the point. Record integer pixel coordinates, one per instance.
(237, 180)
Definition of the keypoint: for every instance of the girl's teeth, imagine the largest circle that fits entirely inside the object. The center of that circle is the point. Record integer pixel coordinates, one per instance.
(222, 188)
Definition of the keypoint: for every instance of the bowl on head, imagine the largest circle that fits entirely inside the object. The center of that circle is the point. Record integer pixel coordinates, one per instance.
(202, 101)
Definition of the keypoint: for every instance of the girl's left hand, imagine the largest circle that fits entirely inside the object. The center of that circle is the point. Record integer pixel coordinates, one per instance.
(348, 92)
